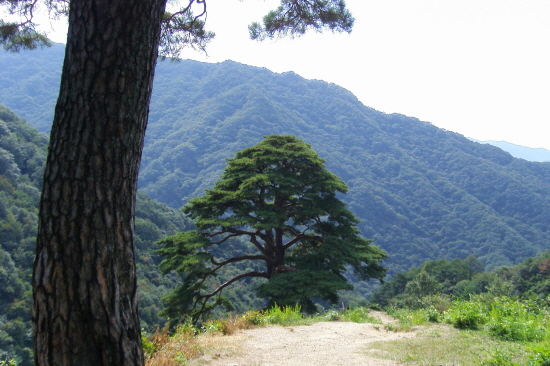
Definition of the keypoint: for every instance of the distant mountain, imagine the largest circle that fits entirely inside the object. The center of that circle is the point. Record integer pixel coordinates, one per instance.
(421, 192)
(540, 155)
(29, 83)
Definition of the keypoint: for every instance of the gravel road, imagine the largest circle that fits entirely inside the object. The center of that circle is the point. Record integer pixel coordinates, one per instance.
(320, 344)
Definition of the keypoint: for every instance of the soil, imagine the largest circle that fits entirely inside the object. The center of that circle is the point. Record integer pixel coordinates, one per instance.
(320, 344)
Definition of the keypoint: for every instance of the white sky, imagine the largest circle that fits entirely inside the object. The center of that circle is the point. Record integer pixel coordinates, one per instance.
(477, 67)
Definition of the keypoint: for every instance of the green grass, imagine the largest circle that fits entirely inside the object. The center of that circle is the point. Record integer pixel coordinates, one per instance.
(497, 331)
(355, 315)
(441, 345)
(360, 315)
(481, 332)
(288, 315)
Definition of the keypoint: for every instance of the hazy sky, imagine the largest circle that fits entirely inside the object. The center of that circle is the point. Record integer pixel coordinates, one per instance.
(477, 67)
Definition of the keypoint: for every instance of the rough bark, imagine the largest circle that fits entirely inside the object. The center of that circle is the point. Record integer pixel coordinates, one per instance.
(85, 291)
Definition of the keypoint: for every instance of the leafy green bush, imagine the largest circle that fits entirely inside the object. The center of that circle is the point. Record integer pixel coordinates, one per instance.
(432, 314)
(514, 320)
(332, 315)
(540, 354)
(467, 315)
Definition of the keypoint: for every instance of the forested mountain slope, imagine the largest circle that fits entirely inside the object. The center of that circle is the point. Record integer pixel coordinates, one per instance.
(22, 156)
(421, 192)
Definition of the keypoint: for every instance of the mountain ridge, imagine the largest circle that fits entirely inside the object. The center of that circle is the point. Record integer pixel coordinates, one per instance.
(421, 192)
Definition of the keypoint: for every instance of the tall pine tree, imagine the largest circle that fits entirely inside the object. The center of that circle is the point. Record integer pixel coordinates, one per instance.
(278, 196)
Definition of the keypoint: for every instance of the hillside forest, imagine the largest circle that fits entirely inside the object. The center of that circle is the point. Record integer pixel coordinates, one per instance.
(421, 193)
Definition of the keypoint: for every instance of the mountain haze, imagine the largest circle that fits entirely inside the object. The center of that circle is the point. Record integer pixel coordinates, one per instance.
(527, 153)
(421, 192)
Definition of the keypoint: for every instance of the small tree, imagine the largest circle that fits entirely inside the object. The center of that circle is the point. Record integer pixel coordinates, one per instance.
(279, 196)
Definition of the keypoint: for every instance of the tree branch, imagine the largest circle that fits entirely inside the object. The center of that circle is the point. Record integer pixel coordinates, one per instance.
(236, 278)
(241, 258)
(301, 237)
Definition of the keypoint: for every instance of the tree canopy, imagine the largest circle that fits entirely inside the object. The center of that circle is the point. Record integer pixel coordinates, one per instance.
(183, 25)
(279, 196)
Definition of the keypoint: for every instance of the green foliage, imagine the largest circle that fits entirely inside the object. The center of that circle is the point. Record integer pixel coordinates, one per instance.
(19, 197)
(407, 318)
(499, 358)
(514, 320)
(539, 354)
(467, 315)
(457, 278)
(278, 195)
(283, 315)
(359, 315)
(22, 154)
(295, 18)
(421, 193)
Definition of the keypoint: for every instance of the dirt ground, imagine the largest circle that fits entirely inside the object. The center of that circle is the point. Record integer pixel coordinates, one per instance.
(320, 344)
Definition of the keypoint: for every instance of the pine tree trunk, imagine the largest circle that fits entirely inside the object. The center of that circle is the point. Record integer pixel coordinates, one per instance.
(85, 292)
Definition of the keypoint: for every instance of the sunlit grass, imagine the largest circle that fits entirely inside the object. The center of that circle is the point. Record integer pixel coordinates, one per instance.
(438, 342)
(439, 345)
(355, 315)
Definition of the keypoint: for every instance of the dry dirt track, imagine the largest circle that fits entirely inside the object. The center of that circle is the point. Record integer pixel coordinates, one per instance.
(320, 344)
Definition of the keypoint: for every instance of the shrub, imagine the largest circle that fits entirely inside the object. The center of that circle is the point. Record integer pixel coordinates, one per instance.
(466, 315)
(540, 354)
(513, 320)
(332, 315)
(432, 314)
(253, 317)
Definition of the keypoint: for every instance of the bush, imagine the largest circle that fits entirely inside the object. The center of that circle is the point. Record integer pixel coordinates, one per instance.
(432, 314)
(540, 354)
(332, 315)
(512, 320)
(466, 315)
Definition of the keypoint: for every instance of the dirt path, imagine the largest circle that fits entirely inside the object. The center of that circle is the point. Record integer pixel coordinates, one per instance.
(320, 344)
